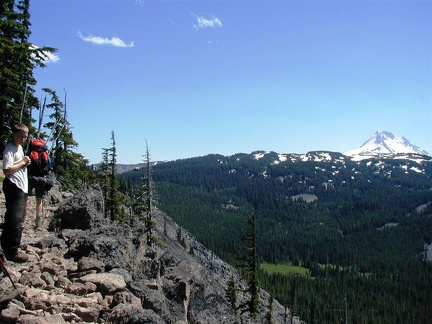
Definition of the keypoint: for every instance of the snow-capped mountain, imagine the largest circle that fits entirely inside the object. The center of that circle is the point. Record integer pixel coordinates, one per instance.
(385, 144)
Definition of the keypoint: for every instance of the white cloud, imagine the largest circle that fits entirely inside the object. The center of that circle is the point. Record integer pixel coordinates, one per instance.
(206, 23)
(48, 57)
(140, 2)
(51, 57)
(114, 41)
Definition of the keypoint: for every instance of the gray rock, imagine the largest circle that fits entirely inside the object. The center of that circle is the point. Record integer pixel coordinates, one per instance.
(89, 269)
(107, 283)
(86, 263)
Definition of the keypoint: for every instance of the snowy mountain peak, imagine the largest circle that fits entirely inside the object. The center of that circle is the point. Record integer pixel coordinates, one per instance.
(379, 137)
(382, 144)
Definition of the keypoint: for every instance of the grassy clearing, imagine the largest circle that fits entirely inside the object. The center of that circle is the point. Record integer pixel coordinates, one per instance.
(285, 269)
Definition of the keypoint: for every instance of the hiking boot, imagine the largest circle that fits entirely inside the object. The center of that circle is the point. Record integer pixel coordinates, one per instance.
(18, 256)
(38, 223)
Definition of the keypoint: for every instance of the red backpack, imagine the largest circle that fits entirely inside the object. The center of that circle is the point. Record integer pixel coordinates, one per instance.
(38, 153)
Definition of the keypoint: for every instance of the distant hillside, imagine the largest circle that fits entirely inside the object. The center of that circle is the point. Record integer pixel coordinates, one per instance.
(313, 209)
(351, 196)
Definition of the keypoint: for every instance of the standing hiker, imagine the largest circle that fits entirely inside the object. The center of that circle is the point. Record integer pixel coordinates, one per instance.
(38, 172)
(15, 187)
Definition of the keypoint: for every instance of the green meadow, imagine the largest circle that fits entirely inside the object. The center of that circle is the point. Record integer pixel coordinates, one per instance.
(285, 269)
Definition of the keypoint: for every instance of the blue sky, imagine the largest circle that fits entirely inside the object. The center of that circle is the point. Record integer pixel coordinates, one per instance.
(198, 77)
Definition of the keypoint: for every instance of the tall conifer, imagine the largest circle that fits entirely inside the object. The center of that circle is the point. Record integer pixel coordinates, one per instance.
(249, 269)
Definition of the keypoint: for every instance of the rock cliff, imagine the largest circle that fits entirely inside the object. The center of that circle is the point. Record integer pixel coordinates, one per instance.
(85, 269)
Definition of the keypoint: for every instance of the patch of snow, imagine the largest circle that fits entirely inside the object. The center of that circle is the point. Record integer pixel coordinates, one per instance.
(258, 156)
(305, 197)
(415, 169)
(283, 158)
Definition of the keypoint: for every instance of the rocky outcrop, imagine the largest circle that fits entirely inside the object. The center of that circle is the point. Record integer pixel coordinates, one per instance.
(86, 269)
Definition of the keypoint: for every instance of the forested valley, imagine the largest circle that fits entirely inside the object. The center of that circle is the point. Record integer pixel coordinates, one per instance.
(361, 240)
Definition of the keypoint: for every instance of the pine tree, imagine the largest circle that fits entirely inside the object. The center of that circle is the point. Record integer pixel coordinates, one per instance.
(249, 269)
(165, 228)
(149, 200)
(103, 173)
(145, 199)
(114, 200)
(268, 317)
(231, 294)
(69, 166)
(18, 59)
(293, 298)
(107, 174)
(180, 237)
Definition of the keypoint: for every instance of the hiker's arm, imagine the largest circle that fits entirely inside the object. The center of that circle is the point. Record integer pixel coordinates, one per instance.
(18, 165)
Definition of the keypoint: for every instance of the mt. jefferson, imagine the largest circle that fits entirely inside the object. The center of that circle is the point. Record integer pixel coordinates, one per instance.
(385, 144)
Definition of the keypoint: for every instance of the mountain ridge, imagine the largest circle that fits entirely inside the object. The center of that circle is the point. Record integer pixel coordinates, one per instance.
(382, 145)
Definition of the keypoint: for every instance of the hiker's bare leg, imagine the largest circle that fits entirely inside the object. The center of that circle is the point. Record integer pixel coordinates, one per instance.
(39, 212)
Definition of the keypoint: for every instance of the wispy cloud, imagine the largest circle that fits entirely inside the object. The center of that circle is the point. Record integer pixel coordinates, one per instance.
(140, 3)
(51, 57)
(113, 41)
(48, 57)
(203, 22)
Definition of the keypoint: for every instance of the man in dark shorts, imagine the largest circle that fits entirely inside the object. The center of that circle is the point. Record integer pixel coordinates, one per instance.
(15, 187)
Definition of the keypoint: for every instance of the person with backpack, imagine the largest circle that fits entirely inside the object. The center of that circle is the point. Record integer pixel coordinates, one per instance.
(38, 172)
(15, 187)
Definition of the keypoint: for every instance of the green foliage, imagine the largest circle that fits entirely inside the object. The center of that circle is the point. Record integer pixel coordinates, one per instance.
(142, 197)
(268, 316)
(180, 237)
(191, 250)
(148, 197)
(69, 166)
(110, 185)
(159, 242)
(248, 268)
(231, 294)
(371, 299)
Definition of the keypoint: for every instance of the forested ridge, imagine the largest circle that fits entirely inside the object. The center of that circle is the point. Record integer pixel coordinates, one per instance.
(363, 239)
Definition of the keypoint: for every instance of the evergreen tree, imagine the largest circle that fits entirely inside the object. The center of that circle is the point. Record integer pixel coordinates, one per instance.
(179, 234)
(144, 202)
(69, 166)
(293, 298)
(165, 229)
(18, 59)
(249, 269)
(231, 294)
(149, 198)
(103, 173)
(107, 174)
(191, 250)
(268, 316)
(114, 200)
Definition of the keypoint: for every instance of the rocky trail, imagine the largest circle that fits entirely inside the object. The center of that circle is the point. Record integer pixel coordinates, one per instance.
(89, 270)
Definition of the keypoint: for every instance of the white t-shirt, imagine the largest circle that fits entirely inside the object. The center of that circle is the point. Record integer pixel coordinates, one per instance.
(12, 155)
